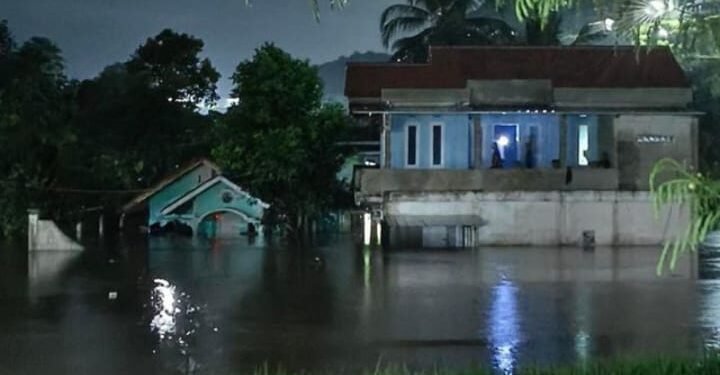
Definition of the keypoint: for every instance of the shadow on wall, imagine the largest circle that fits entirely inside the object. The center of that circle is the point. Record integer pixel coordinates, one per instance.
(628, 167)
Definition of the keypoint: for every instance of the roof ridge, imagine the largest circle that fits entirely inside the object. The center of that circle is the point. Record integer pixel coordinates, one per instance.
(170, 178)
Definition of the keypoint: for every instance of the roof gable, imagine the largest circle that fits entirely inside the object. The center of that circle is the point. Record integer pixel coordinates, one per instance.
(187, 168)
(204, 187)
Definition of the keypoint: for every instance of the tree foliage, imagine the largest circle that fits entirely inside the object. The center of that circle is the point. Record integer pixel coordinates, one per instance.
(124, 129)
(35, 108)
(141, 117)
(447, 22)
(279, 141)
(170, 64)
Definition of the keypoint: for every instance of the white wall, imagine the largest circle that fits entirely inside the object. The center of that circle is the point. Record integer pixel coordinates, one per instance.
(45, 235)
(542, 218)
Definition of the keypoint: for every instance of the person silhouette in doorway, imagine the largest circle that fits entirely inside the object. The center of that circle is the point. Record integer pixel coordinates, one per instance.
(497, 161)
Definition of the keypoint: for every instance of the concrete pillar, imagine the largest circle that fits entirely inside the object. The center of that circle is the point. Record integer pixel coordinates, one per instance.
(477, 142)
(386, 152)
(78, 231)
(563, 141)
(33, 216)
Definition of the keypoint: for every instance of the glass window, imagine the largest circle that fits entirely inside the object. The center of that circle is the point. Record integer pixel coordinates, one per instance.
(411, 145)
(583, 145)
(437, 145)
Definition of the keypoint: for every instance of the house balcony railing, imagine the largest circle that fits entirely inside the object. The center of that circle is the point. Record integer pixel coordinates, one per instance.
(369, 182)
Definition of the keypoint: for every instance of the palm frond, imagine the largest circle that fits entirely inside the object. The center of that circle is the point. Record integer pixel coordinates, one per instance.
(401, 17)
(412, 49)
(673, 184)
(393, 28)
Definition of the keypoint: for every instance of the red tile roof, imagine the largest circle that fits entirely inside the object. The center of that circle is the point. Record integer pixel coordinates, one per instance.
(587, 67)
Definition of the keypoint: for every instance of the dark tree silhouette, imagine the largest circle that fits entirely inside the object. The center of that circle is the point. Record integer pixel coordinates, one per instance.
(443, 22)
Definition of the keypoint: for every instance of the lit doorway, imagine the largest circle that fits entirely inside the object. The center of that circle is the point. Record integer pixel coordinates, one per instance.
(506, 138)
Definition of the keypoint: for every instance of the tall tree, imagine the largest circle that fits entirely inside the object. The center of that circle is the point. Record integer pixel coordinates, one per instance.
(446, 22)
(171, 65)
(141, 118)
(279, 140)
(35, 108)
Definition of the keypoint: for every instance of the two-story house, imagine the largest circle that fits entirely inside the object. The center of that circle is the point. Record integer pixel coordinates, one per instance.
(522, 145)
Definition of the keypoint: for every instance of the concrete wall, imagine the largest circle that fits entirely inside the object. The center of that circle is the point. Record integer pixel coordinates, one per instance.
(377, 182)
(622, 97)
(46, 235)
(510, 92)
(425, 97)
(540, 218)
(635, 160)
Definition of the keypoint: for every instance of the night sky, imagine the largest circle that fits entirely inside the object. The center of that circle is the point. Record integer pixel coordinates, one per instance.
(96, 33)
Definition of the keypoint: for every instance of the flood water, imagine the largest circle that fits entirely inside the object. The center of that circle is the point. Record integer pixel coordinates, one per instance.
(173, 305)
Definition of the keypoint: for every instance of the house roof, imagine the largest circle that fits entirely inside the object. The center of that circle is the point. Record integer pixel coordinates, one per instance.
(182, 171)
(203, 187)
(570, 67)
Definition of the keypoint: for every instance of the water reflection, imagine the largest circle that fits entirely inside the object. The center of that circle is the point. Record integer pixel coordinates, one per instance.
(504, 326)
(163, 301)
(226, 307)
(47, 268)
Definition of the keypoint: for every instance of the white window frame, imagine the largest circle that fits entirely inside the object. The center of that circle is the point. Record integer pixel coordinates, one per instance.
(406, 151)
(432, 144)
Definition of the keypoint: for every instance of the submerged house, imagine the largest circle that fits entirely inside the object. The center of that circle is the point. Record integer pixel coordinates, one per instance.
(198, 197)
(522, 145)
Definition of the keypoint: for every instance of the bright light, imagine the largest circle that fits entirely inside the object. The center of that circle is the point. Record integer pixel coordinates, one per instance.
(656, 8)
(503, 141)
(165, 310)
(609, 23)
(663, 33)
(367, 228)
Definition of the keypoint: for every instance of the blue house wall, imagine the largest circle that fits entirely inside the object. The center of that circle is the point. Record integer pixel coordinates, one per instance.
(456, 140)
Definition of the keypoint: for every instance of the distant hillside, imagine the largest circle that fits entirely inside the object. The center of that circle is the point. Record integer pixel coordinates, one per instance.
(332, 73)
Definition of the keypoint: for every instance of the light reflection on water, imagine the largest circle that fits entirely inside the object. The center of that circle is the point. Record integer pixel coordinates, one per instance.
(504, 326)
(163, 300)
(276, 305)
(709, 272)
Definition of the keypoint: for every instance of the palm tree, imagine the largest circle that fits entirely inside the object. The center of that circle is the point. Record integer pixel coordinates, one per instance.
(446, 22)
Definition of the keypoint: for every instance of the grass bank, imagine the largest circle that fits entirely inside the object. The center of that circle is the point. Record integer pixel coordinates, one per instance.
(709, 365)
